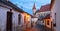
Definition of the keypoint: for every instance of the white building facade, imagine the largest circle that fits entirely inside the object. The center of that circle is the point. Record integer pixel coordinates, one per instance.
(55, 13)
(8, 15)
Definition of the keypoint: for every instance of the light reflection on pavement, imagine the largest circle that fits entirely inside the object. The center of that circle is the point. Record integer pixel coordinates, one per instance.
(32, 29)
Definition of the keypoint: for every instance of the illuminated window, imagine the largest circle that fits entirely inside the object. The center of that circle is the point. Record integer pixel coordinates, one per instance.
(48, 22)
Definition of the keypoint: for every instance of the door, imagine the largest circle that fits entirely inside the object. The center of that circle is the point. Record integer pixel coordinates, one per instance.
(9, 21)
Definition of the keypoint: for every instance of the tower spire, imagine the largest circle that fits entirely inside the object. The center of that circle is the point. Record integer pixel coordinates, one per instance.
(34, 8)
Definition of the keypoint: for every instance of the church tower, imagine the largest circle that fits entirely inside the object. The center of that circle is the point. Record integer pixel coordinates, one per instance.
(34, 9)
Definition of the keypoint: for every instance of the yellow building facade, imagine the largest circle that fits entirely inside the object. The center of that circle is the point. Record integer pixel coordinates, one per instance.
(47, 22)
(27, 19)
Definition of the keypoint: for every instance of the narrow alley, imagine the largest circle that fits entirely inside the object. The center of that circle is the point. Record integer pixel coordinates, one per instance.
(28, 15)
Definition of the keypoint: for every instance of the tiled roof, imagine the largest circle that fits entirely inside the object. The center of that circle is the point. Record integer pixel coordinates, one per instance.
(45, 8)
(13, 6)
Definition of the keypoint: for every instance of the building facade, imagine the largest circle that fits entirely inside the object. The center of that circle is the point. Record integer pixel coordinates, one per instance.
(34, 17)
(47, 21)
(42, 15)
(11, 16)
(55, 13)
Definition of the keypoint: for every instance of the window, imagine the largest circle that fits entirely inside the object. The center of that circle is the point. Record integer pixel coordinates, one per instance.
(44, 14)
(54, 25)
(55, 21)
(25, 18)
(48, 22)
(19, 19)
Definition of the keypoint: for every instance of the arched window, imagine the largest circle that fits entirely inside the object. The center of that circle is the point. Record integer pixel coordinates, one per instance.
(19, 19)
(48, 22)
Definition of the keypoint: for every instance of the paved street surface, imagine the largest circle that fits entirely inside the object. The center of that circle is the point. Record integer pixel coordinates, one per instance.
(37, 28)
(33, 29)
(42, 28)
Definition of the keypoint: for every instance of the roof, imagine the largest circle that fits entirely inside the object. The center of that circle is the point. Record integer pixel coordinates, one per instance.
(33, 16)
(37, 11)
(44, 8)
(8, 3)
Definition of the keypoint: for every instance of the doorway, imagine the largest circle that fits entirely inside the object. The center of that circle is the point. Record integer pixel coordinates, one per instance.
(9, 21)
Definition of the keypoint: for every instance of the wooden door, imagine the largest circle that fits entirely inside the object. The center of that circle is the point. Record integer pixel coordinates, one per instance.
(9, 21)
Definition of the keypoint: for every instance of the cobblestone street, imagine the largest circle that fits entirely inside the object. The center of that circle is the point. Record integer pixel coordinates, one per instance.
(33, 29)
(37, 28)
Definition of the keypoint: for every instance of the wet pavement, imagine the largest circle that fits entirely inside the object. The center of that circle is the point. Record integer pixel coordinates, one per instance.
(33, 29)
(37, 28)
(42, 28)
